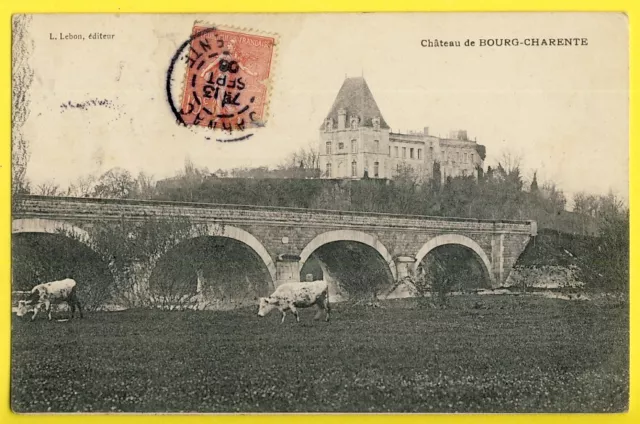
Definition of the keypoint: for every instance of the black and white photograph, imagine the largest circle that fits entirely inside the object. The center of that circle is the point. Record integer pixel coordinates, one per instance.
(320, 213)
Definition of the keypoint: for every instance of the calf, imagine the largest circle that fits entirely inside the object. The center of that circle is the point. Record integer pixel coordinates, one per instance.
(43, 295)
(290, 296)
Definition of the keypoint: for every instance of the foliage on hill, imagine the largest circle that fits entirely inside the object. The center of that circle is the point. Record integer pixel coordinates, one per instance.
(499, 193)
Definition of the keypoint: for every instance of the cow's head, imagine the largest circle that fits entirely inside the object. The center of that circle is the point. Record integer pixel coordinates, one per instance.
(22, 308)
(266, 305)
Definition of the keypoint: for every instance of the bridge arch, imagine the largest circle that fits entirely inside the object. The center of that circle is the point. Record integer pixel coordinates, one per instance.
(349, 235)
(78, 260)
(50, 226)
(459, 239)
(243, 236)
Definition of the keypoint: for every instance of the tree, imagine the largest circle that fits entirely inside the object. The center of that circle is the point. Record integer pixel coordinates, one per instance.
(436, 179)
(145, 186)
(48, 188)
(221, 173)
(132, 250)
(82, 187)
(534, 184)
(305, 157)
(613, 249)
(433, 282)
(192, 173)
(442, 271)
(510, 162)
(302, 163)
(553, 199)
(116, 183)
(405, 186)
(22, 77)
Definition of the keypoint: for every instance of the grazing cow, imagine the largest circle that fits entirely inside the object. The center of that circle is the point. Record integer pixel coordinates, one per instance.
(290, 296)
(55, 292)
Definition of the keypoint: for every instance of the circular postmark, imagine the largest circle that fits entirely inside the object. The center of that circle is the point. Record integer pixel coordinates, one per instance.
(224, 85)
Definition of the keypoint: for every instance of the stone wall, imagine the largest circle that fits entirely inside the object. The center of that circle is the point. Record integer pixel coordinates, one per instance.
(545, 277)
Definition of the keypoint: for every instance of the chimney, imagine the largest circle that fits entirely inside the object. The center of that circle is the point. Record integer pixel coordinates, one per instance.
(426, 130)
(342, 119)
(462, 135)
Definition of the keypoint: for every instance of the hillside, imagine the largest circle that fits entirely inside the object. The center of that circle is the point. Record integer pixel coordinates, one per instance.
(557, 260)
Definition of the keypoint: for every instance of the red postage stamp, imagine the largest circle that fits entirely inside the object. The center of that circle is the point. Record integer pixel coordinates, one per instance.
(227, 79)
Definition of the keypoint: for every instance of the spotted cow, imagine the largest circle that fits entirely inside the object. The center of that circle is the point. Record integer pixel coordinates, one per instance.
(44, 295)
(290, 296)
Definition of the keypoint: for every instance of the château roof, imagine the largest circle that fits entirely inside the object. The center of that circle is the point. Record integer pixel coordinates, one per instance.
(356, 98)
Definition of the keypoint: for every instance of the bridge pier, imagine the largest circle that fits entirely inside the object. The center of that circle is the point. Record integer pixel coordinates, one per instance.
(199, 280)
(497, 259)
(287, 269)
(404, 266)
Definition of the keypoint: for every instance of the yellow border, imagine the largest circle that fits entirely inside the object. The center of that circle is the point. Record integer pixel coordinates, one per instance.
(8, 8)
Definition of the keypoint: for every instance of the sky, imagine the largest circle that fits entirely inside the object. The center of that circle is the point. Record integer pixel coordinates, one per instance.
(562, 110)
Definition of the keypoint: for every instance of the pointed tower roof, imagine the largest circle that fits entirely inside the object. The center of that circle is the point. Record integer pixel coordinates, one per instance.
(356, 98)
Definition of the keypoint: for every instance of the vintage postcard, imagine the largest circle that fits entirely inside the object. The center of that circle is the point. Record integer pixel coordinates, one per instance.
(237, 213)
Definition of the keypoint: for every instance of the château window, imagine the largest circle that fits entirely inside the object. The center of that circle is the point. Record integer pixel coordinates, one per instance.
(354, 123)
(419, 153)
(354, 146)
(389, 150)
(354, 169)
(466, 158)
(376, 146)
(340, 146)
(472, 159)
(328, 147)
(376, 167)
(329, 170)
(411, 153)
(396, 149)
(329, 124)
(404, 153)
(376, 124)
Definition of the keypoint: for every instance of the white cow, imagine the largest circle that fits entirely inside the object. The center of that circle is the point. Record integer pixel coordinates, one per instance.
(290, 296)
(43, 295)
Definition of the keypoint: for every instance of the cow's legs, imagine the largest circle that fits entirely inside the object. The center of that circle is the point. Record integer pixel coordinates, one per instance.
(327, 307)
(73, 302)
(35, 311)
(79, 307)
(47, 307)
(284, 314)
(320, 308)
(72, 308)
(295, 312)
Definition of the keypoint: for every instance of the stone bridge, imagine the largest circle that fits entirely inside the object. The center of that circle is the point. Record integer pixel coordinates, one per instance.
(285, 238)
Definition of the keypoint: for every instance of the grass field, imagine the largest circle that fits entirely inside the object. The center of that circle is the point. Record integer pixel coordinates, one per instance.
(511, 353)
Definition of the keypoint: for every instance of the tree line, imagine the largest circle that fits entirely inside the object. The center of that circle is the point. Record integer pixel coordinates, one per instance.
(500, 192)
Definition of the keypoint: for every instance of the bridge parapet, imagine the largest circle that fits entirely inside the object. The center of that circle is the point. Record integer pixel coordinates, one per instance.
(89, 209)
